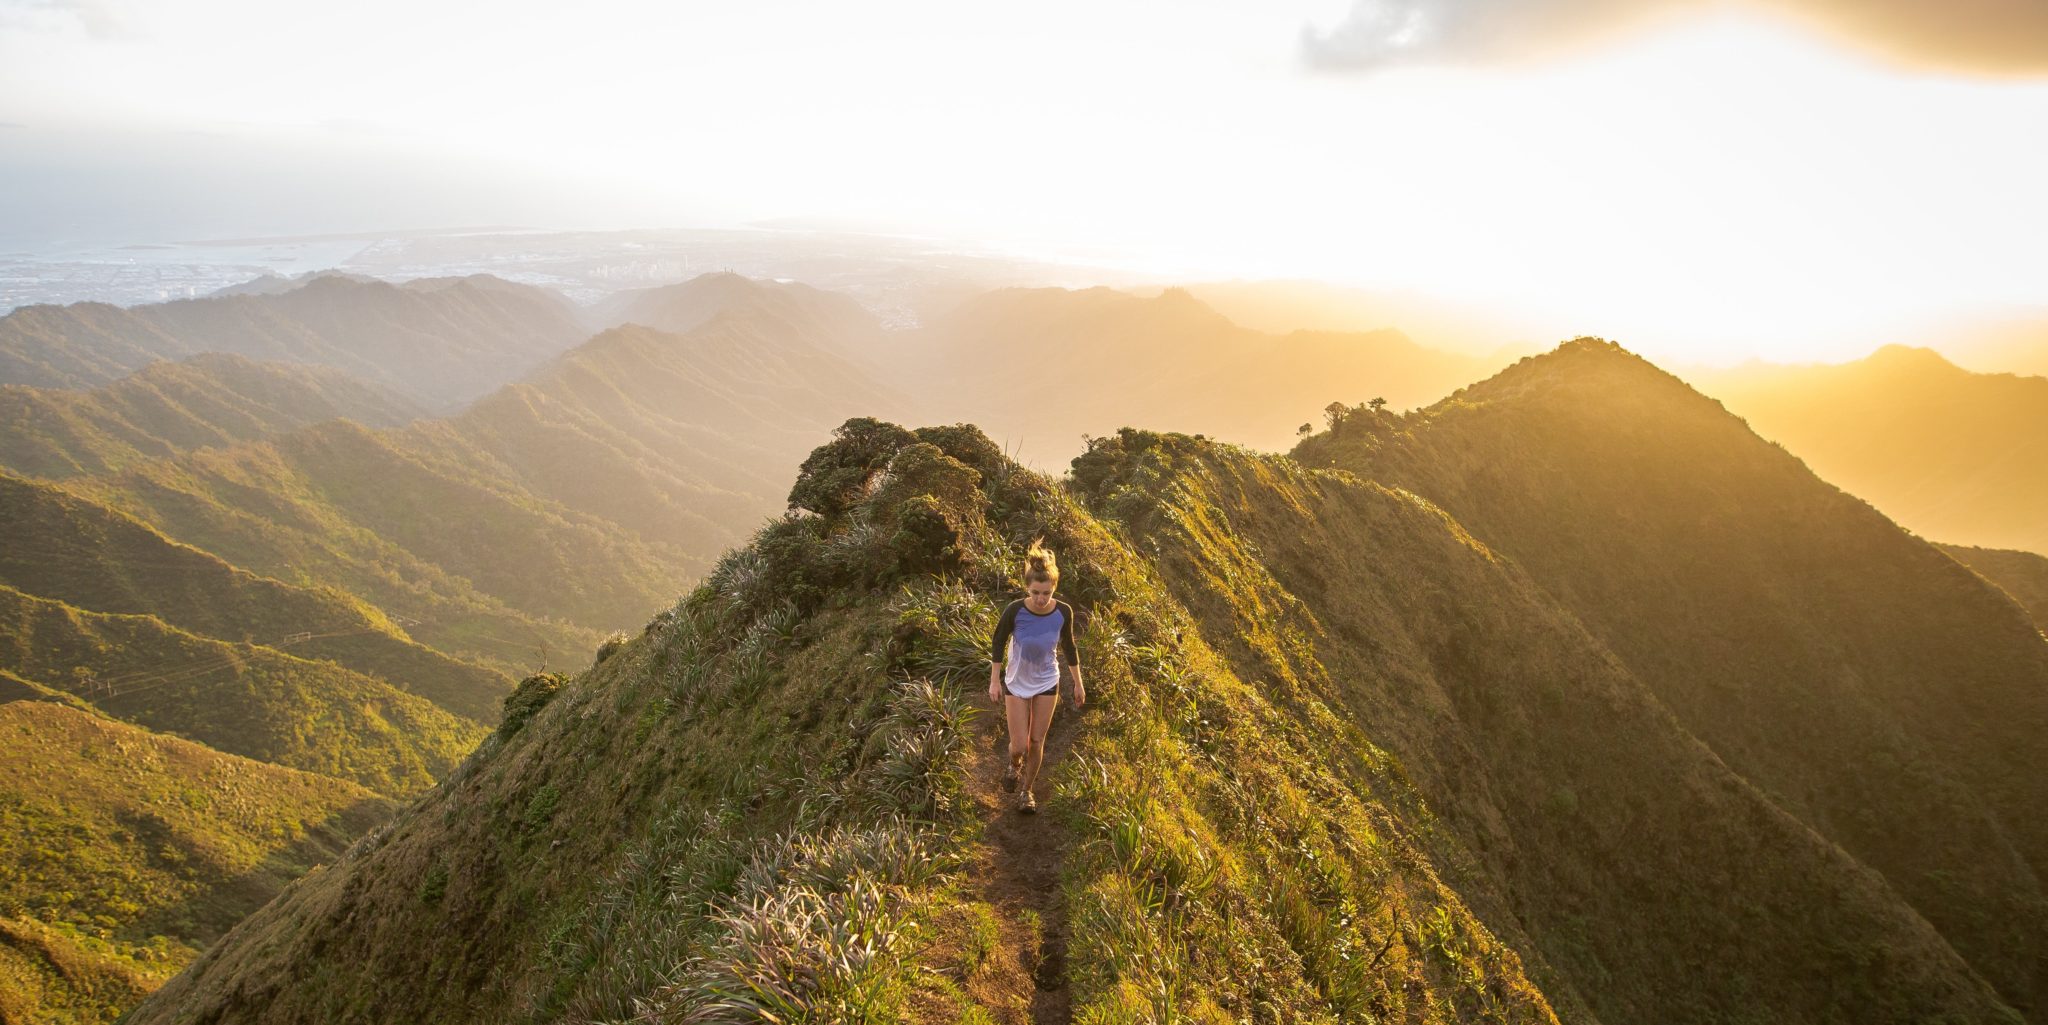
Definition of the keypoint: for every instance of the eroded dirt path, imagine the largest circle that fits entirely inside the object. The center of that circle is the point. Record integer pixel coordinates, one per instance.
(1017, 870)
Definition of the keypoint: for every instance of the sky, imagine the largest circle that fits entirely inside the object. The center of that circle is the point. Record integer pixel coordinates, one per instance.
(1791, 178)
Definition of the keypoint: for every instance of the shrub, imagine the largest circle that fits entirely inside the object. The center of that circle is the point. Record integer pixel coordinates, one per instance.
(836, 474)
(609, 648)
(527, 699)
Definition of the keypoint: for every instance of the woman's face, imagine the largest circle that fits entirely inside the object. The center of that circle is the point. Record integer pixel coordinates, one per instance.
(1038, 594)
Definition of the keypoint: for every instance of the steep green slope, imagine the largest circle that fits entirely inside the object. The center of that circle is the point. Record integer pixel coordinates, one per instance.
(414, 521)
(82, 345)
(443, 340)
(123, 852)
(748, 807)
(1584, 803)
(2023, 575)
(1951, 455)
(549, 512)
(686, 439)
(95, 558)
(1868, 683)
(784, 807)
(248, 699)
(166, 408)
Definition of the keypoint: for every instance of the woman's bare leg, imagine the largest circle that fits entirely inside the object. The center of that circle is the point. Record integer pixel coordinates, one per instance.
(1018, 711)
(1041, 708)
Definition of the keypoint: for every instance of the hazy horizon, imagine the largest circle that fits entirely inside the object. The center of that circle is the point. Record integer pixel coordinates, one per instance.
(1707, 182)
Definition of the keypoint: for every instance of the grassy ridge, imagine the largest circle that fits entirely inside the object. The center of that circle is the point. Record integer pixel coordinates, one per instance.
(166, 408)
(654, 808)
(251, 700)
(746, 805)
(314, 510)
(1868, 683)
(124, 852)
(1579, 800)
(2023, 575)
(86, 555)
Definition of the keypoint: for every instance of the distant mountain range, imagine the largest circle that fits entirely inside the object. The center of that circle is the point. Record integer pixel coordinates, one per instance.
(2023, 575)
(166, 408)
(439, 342)
(1951, 455)
(1039, 368)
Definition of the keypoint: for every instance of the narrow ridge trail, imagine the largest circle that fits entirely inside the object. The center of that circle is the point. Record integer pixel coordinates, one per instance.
(1016, 869)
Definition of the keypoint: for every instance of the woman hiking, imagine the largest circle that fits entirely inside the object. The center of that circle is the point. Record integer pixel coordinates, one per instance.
(1033, 635)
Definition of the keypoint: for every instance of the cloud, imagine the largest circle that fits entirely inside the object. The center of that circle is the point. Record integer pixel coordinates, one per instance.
(1983, 37)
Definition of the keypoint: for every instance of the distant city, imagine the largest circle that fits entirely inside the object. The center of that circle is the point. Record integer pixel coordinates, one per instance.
(879, 270)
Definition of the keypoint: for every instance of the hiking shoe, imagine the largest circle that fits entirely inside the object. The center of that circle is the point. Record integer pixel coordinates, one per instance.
(1010, 779)
(1027, 804)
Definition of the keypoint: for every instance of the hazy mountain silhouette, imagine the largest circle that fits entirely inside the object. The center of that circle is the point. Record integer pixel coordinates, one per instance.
(827, 318)
(278, 284)
(1283, 306)
(2012, 344)
(1041, 367)
(1951, 455)
(2023, 575)
(440, 341)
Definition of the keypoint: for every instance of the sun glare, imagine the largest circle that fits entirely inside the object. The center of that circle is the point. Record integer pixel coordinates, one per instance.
(1712, 189)
(1710, 193)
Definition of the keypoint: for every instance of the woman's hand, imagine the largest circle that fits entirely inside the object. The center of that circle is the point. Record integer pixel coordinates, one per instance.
(995, 683)
(1080, 689)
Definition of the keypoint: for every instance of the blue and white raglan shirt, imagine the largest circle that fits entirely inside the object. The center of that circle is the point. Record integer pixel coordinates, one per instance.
(1031, 644)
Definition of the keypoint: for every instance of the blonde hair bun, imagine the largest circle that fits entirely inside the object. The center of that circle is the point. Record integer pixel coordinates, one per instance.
(1039, 563)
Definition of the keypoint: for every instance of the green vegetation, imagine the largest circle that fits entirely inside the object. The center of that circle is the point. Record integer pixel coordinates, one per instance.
(167, 408)
(86, 555)
(288, 509)
(123, 852)
(1876, 690)
(250, 700)
(792, 831)
(1427, 723)
(2023, 575)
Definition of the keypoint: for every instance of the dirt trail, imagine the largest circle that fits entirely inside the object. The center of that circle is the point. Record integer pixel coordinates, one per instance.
(1017, 870)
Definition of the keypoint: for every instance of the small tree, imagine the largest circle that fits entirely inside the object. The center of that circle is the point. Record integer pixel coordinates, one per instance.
(1376, 404)
(1334, 413)
(1304, 430)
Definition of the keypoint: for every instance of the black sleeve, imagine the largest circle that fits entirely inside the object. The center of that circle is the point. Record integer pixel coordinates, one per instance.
(999, 646)
(1067, 647)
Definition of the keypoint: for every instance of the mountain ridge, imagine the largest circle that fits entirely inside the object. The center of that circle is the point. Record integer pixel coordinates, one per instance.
(1759, 601)
(1251, 792)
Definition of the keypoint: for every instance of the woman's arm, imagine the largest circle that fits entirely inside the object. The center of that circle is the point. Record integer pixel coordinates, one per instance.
(1073, 653)
(999, 650)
